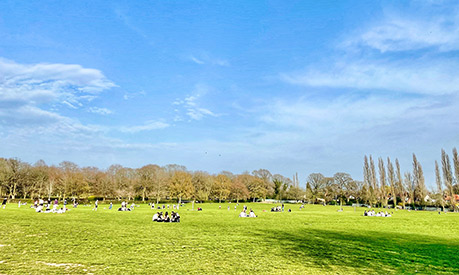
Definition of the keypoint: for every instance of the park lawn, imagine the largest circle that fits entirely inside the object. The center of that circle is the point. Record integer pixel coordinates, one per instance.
(315, 240)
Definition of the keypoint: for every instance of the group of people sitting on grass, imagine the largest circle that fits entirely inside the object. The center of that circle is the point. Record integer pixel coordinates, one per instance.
(244, 214)
(159, 217)
(124, 206)
(48, 207)
(278, 208)
(372, 213)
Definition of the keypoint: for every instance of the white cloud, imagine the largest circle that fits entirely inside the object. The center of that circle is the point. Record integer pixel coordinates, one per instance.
(411, 76)
(45, 84)
(191, 105)
(195, 60)
(149, 126)
(30, 94)
(434, 25)
(128, 96)
(100, 111)
(205, 58)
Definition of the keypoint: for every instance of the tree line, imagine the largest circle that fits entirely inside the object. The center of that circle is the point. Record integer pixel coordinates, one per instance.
(383, 183)
(151, 182)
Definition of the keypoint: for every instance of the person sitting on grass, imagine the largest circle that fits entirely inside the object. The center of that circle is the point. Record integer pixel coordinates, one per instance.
(160, 217)
(166, 217)
(48, 207)
(252, 214)
(155, 216)
(175, 217)
(243, 214)
(61, 211)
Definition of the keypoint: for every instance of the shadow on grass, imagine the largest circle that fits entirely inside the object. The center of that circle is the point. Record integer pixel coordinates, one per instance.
(374, 252)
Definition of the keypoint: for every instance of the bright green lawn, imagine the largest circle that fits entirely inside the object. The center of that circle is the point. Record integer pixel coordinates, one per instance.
(314, 240)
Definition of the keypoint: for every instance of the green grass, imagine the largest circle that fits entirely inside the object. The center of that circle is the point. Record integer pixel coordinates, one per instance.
(314, 240)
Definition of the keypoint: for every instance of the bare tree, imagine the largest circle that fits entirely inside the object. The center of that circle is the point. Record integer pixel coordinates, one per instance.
(448, 178)
(418, 180)
(317, 184)
(221, 187)
(439, 186)
(181, 186)
(400, 187)
(373, 183)
(366, 181)
(382, 182)
(392, 181)
(342, 182)
(410, 186)
(202, 183)
(239, 189)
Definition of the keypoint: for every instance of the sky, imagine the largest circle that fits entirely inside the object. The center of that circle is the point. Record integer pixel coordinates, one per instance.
(288, 86)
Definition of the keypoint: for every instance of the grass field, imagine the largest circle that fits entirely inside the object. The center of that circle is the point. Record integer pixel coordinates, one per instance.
(315, 240)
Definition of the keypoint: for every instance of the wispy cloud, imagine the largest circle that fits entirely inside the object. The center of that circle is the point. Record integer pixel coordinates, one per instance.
(191, 105)
(128, 96)
(429, 68)
(390, 87)
(195, 60)
(100, 111)
(149, 126)
(30, 90)
(205, 58)
(421, 75)
(436, 27)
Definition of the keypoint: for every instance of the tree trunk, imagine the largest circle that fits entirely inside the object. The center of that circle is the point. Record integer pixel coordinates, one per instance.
(14, 189)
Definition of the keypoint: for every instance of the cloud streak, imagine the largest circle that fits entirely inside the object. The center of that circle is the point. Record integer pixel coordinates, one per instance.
(191, 105)
(406, 33)
(421, 76)
(149, 126)
(206, 59)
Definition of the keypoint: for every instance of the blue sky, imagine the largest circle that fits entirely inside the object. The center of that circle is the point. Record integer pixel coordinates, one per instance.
(290, 86)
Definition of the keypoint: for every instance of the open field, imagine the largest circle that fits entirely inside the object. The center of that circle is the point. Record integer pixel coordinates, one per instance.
(315, 240)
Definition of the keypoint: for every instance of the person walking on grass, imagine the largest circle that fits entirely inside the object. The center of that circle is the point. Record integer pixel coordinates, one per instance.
(4, 202)
(96, 205)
